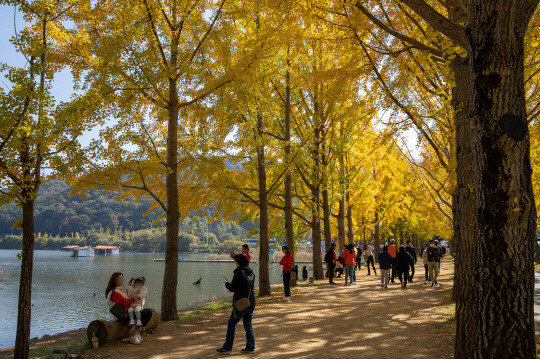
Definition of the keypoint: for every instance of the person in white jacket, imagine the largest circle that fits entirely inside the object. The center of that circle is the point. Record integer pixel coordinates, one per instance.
(136, 289)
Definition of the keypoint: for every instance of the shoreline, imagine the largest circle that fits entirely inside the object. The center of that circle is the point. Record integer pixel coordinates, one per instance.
(77, 337)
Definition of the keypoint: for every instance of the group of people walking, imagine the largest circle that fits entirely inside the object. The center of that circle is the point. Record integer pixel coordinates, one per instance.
(393, 262)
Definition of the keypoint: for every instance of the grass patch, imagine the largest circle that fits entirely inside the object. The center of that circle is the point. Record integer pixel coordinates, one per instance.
(76, 347)
(196, 312)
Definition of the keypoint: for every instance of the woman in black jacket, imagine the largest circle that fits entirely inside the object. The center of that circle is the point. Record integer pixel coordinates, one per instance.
(242, 285)
(404, 261)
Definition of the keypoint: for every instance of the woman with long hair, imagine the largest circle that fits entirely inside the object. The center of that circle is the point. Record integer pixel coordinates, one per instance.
(116, 293)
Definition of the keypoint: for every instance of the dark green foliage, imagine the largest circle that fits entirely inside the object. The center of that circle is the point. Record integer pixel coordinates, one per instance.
(98, 219)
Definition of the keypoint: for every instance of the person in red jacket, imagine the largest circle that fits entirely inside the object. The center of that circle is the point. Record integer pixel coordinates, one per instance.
(245, 250)
(287, 263)
(393, 250)
(117, 293)
(349, 256)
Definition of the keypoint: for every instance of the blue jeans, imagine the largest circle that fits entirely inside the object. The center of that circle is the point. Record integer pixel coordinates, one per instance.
(385, 276)
(246, 317)
(349, 273)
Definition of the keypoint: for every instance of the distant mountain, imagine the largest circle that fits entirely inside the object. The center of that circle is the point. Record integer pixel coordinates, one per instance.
(56, 213)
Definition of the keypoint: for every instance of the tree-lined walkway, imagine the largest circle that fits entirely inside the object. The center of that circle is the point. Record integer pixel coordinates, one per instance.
(321, 321)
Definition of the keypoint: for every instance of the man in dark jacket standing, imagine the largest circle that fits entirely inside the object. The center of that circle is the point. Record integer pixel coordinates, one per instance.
(410, 249)
(330, 259)
(242, 285)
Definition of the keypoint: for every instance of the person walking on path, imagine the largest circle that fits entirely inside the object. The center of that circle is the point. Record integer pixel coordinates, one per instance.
(433, 259)
(359, 253)
(368, 255)
(305, 274)
(242, 285)
(385, 264)
(392, 249)
(424, 260)
(287, 263)
(349, 256)
(404, 262)
(330, 259)
(412, 251)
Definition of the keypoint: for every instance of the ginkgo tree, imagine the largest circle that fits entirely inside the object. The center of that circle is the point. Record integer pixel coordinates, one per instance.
(154, 61)
(37, 133)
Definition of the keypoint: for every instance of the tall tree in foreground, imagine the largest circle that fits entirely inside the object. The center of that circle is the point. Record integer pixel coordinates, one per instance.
(152, 59)
(505, 222)
(35, 132)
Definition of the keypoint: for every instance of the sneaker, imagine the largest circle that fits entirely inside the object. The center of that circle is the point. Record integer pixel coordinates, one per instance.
(436, 283)
(427, 282)
(139, 337)
(432, 284)
(284, 299)
(134, 340)
(139, 323)
(248, 350)
(345, 284)
(382, 285)
(287, 299)
(410, 280)
(132, 322)
(354, 283)
(225, 351)
(386, 287)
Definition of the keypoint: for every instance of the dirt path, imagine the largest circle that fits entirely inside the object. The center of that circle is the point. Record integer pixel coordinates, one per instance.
(321, 321)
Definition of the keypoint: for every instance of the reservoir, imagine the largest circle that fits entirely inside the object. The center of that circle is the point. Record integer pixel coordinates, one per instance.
(68, 293)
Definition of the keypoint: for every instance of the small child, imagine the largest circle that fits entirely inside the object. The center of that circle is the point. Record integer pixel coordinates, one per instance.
(137, 290)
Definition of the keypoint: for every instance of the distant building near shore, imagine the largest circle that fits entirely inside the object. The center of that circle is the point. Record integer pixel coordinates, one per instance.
(82, 251)
(107, 250)
(69, 248)
(88, 251)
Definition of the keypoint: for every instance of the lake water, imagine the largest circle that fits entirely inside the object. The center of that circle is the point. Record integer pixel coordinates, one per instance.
(63, 287)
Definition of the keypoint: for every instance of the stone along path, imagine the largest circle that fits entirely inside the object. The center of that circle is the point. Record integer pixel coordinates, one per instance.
(321, 321)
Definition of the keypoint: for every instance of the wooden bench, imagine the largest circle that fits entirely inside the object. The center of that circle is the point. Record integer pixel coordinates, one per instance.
(108, 331)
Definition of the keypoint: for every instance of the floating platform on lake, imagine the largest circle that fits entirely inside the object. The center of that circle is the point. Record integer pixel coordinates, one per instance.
(217, 261)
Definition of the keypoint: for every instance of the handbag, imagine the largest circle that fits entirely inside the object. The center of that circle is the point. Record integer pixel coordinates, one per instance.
(243, 303)
(119, 311)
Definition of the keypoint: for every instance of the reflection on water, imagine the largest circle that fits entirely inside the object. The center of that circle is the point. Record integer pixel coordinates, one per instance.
(68, 293)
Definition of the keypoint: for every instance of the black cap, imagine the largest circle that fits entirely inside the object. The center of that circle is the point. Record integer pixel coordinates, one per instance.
(408, 242)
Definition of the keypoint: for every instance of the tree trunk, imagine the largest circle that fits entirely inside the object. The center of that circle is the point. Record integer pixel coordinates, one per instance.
(264, 253)
(505, 208)
(316, 211)
(341, 221)
(327, 219)
(22, 341)
(289, 225)
(377, 237)
(350, 227)
(463, 216)
(169, 309)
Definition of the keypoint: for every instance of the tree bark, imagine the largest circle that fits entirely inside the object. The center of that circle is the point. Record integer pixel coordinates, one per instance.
(288, 198)
(377, 236)
(327, 219)
(463, 216)
(22, 340)
(350, 226)
(264, 254)
(316, 206)
(505, 208)
(169, 309)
